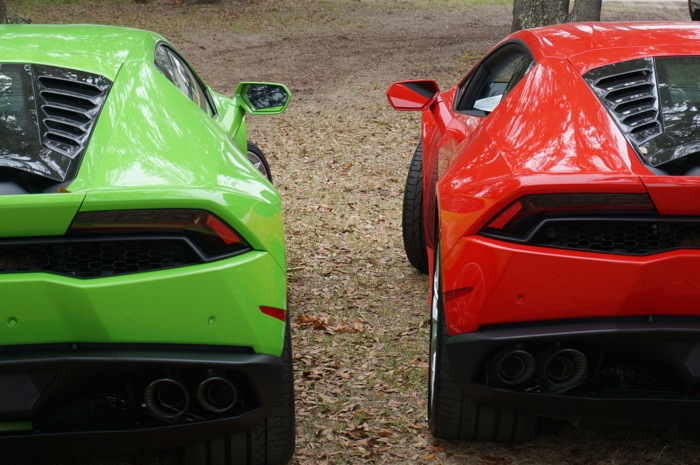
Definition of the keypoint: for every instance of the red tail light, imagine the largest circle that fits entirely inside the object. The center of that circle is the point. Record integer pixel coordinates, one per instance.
(213, 236)
(519, 219)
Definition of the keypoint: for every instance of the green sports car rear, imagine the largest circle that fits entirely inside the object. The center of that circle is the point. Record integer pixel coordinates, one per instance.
(143, 296)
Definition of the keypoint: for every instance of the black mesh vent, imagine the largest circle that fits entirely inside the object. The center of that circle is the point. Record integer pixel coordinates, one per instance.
(628, 90)
(96, 258)
(70, 103)
(93, 408)
(624, 237)
(636, 378)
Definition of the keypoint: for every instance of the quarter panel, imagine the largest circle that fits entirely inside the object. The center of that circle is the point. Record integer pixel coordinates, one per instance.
(553, 123)
(154, 148)
(550, 134)
(150, 134)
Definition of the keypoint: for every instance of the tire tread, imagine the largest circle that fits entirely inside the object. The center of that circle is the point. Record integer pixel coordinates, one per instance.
(455, 416)
(412, 214)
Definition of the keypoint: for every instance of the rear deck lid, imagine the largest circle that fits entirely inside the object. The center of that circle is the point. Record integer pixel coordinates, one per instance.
(38, 215)
(674, 195)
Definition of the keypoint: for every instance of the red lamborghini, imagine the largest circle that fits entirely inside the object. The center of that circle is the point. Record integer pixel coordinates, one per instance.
(554, 199)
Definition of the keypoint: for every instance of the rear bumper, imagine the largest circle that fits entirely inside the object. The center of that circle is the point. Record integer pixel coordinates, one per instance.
(491, 282)
(637, 371)
(214, 303)
(90, 400)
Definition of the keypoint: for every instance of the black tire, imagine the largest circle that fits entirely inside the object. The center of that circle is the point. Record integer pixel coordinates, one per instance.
(694, 12)
(412, 218)
(451, 414)
(257, 158)
(269, 444)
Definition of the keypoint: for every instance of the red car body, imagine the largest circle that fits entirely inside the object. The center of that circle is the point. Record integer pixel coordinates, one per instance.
(568, 216)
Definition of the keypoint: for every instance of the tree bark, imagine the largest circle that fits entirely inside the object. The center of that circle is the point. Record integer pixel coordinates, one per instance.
(535, 13)
(586, 10)
(3, 12)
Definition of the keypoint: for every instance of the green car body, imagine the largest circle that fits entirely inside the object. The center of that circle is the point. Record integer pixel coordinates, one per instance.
(156, 166)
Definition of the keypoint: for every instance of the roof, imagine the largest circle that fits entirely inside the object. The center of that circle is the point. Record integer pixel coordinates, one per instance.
(92, 48)
(588, 45)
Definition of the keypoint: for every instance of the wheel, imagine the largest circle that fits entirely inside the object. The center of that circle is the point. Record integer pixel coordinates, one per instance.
(257, 158)
(694, 11)
(412, 218)
(271, 443)
(451, 414)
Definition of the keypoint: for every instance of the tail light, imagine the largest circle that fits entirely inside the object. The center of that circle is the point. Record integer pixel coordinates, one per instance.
(207, 231)
(520, 219)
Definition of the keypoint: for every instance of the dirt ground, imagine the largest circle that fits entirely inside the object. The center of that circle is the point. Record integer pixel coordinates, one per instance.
(339, 157)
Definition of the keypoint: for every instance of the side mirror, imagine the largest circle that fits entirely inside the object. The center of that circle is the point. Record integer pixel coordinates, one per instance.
(412, 95)
(261, 98)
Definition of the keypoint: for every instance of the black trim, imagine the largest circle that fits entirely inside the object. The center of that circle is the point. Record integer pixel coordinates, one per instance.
(670, 350)
(56, 378)
(61, 255)
(662, 234)
(420, 89)
(628, 90)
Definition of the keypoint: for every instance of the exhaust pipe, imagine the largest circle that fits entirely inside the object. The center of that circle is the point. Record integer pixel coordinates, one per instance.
(565, 368)
(217, 394)
(166, 398)
(513, 367)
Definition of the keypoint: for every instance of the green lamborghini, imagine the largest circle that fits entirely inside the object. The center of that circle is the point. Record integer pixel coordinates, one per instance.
(143, 295)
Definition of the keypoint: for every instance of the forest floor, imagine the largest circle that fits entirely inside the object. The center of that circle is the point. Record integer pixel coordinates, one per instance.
(339, 157)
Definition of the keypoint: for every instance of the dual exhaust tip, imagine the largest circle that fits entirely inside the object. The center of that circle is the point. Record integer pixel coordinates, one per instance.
(560, 369)
(168, 398)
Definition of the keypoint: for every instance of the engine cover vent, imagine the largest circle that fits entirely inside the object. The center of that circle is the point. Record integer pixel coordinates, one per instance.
(69, 103)
(628, 91)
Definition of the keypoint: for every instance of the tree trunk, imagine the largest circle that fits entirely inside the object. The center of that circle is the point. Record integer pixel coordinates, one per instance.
(586, 10)
(3, 12)
(535, 13)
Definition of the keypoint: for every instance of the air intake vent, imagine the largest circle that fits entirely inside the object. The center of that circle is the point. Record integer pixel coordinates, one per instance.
(622, 236)
(93, 258)
(69, 103)
(628, 90)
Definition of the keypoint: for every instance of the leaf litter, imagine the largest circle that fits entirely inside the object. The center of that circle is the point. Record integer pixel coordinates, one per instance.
(339, 157)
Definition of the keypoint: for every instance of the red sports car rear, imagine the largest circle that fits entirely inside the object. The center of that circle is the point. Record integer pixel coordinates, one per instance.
(554, 199)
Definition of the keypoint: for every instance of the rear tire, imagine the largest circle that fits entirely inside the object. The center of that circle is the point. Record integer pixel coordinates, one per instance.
(271, 443)
(412, 218)
(451, 414)
(257, 158)
(694, 11)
